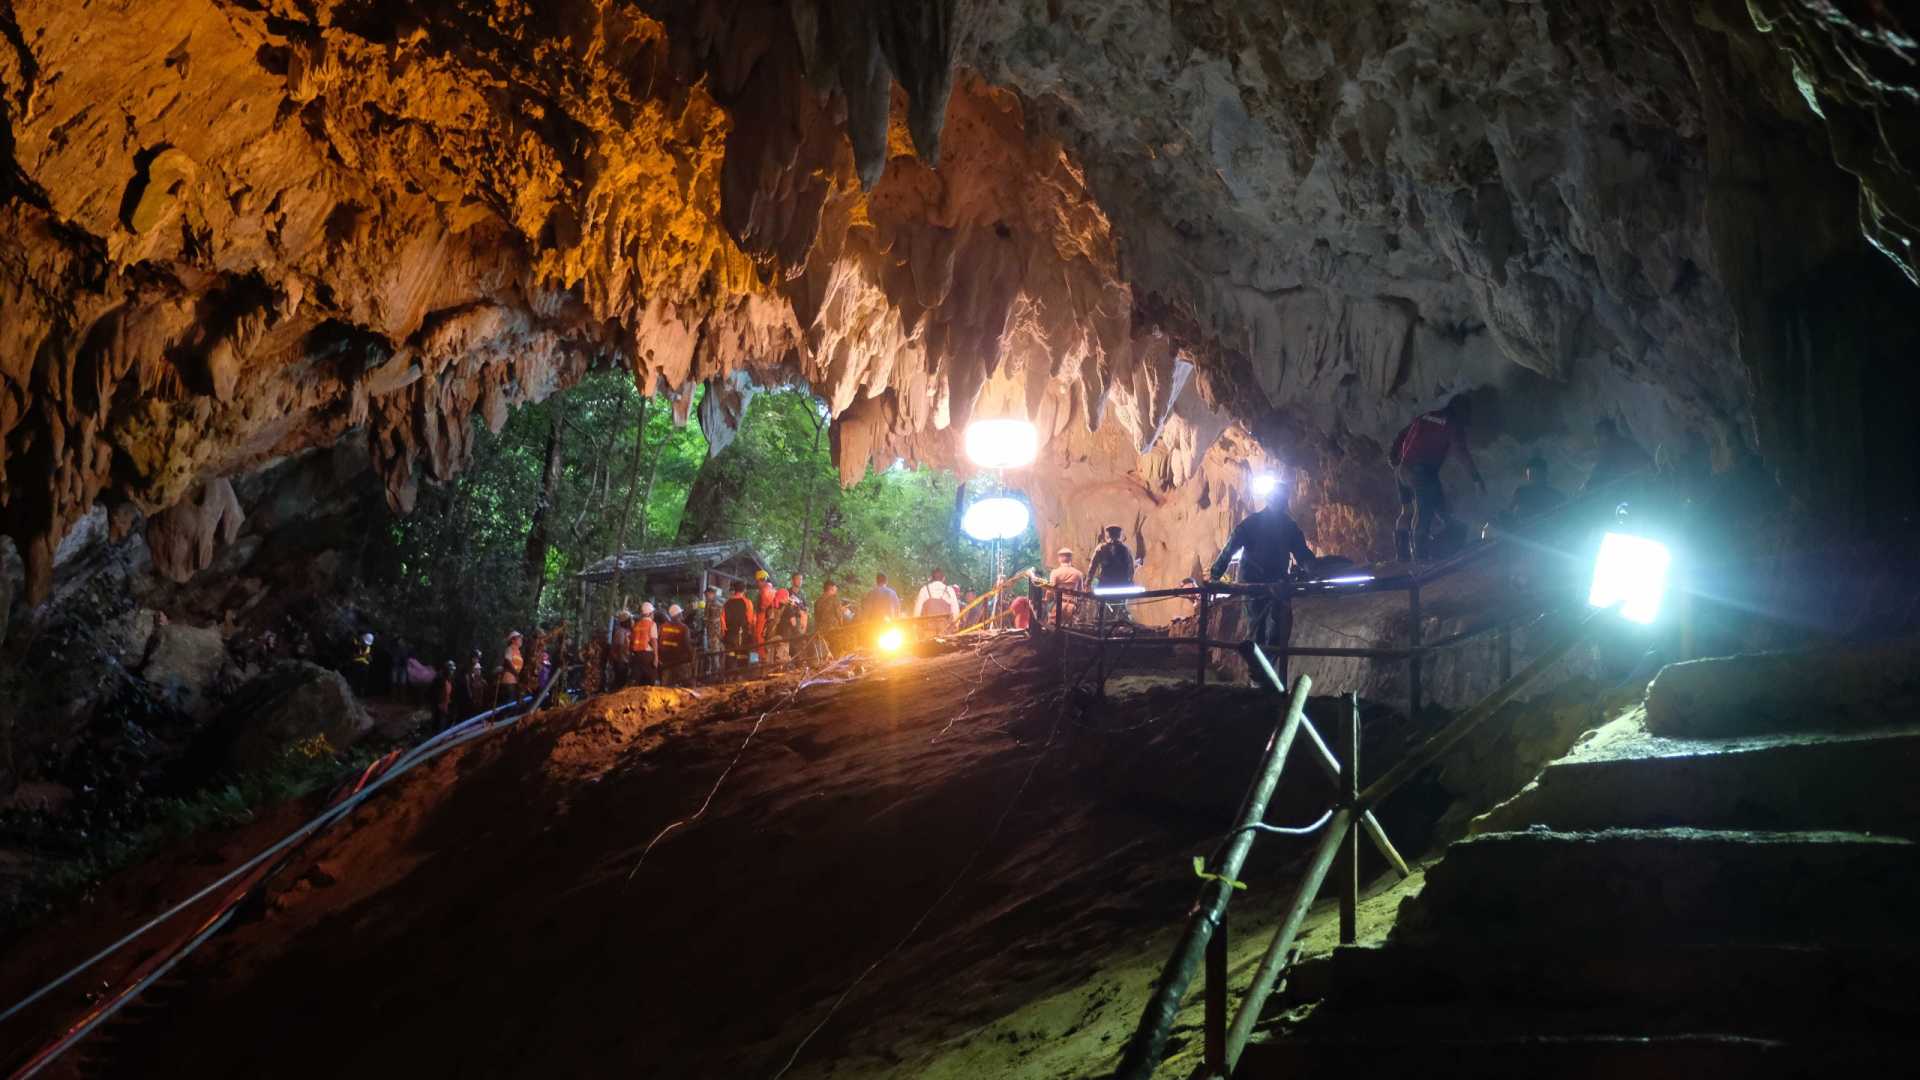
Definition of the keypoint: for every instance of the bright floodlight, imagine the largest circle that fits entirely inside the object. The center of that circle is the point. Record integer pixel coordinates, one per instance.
(1630, 573)
(1002, 444)
(1120, 590)
(891, 640)
(998, 518)
(1265, 484)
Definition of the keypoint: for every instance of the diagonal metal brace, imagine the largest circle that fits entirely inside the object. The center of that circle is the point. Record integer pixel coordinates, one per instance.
(1323, 754)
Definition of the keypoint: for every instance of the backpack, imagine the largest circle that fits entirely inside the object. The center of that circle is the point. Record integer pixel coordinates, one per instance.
(938, 603)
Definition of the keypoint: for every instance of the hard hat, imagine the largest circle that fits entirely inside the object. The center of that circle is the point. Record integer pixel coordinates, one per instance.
(699, 605)
(1068, 552)
(759, 575)
(673, 611)
(512, 635)
(366, 639)
(646, 608)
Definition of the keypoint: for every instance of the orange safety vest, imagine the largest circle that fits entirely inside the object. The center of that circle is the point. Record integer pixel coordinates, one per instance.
(673, 638)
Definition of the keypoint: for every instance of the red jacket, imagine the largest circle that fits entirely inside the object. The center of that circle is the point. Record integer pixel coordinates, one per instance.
(1430, 438)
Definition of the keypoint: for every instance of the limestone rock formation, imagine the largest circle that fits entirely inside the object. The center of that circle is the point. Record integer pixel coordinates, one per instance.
(292, 702)
(1182, 238)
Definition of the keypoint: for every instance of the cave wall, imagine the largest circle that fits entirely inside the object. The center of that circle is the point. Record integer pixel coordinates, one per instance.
(1186, 238)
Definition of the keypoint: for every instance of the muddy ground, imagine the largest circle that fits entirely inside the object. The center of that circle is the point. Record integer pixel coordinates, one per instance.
(943, 867)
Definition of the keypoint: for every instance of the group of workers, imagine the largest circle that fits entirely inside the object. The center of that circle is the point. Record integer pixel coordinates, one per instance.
(753, 623)
(760, 623)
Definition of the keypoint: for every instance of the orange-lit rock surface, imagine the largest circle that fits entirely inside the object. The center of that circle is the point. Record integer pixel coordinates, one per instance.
(1187, 240)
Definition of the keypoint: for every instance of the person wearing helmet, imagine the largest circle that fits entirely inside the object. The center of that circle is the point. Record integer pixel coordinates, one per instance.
(646, 648)
(360, 665)
(936, 598)
(1416, 456)
(1066, 578)
(675, 645)
(477, 682)
(507, 686)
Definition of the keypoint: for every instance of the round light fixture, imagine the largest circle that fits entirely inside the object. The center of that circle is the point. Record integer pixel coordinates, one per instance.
(997, 518)
(1002, 444)
(1265, 484)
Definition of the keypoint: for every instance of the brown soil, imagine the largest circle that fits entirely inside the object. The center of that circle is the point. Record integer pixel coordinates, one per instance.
(995, 873)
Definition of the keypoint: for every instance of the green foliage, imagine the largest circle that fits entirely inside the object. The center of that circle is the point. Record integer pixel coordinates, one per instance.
(456, 568)
(777, 486)
(101, 835)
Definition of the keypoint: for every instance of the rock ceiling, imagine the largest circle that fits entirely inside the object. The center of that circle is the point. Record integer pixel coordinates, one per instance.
(1180, 236)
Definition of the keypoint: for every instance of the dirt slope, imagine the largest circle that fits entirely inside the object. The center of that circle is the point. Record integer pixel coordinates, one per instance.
(496, 926)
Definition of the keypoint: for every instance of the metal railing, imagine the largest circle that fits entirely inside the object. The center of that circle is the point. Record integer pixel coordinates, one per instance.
(1208, 597)
(1204, 939)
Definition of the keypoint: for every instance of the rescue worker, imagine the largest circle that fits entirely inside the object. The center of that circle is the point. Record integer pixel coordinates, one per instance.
(1618, 457)
(463, 701)
(1534, 497)
(507, 689)
(477, 683)
(675, 653)
(1021, 612)
(762, 595)
(1066, 578)
(360, 666)
(443, 694)
(646, 648)
(1112, 563)
(1267, 541)
(829, 619)
(1416, 456)
(620, 651)
(937, 599)
(881, 602)
(714, 647)
(773, 615)
(738, 613)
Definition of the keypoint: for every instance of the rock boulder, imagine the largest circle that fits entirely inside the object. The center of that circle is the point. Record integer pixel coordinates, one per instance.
(292, 702)
(182, 663)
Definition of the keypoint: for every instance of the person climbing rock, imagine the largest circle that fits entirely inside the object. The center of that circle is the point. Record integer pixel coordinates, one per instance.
(881, 602)
(1417, 454)
(1270, 544)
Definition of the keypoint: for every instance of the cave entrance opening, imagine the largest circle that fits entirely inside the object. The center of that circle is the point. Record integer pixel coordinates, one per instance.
(599, 468)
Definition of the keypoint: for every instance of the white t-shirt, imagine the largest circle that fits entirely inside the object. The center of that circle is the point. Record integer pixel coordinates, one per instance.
(937, 590)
